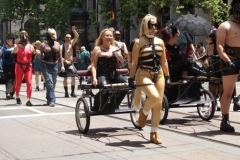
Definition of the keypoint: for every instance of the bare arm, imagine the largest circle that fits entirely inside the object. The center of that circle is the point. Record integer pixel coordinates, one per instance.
(221, 38)
(135, 55)
(94, 59)
(76, 35)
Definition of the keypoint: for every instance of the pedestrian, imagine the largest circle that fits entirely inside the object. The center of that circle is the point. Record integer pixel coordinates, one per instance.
(212, 59)
(8, 65)
(122, 46)
(77, 60)
(37, 65)
(23, 54)
(187, 49)
(202, 49)
(228, 35)
(105, 59)
(130, 48)
(149, 54)
(50, 50)
(68, 54)
(85, 60)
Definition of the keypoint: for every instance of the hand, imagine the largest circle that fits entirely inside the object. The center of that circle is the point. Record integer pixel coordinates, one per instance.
(73, 28)
(167, 81)
(62, 69)
(131, 83)
(230, 64)
(67, 62)
(94, 82)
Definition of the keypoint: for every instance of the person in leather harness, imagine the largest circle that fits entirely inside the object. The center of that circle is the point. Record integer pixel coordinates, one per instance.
(105, 59)
(23, 55)
(149, 56)
(228, 46)
(50, 51)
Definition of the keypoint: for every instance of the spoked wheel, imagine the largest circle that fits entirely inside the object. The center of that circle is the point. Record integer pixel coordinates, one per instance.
(134, 116)
(82, 115)
(207, 111)
(165, 109)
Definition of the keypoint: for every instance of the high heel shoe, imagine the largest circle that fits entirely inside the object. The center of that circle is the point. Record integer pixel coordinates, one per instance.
(142, 118)
(154, 138)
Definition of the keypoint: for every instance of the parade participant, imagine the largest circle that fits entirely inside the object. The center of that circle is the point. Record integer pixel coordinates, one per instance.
(105, 59)
(149, 53)
(23, 55)
(37, 66)
(50, 51)
(8, 65)
(228, 46)
(68, 53)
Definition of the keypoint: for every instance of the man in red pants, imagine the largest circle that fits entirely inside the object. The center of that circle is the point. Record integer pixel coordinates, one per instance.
(23, 55)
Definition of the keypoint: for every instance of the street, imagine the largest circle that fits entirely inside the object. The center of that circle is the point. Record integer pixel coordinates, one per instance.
(43, 132)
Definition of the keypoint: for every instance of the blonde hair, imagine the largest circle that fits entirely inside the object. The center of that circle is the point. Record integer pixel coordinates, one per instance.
(52, 33)
(99, 40)
(144, 24)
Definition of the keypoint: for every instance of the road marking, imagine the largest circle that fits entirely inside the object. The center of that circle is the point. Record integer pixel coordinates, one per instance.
(37, 115)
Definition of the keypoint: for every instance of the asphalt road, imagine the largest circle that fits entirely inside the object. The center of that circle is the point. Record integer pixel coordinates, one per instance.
(43, 132)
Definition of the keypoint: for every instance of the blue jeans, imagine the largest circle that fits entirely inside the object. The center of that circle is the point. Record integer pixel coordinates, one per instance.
(50, 72)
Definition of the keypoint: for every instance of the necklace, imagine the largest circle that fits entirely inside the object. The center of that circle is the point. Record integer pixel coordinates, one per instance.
(106, 47)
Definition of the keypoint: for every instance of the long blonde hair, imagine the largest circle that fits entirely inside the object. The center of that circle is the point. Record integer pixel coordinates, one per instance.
(99, 40)
(144, 24)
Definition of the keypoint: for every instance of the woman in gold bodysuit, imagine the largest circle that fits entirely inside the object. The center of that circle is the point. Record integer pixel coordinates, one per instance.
(150, 58)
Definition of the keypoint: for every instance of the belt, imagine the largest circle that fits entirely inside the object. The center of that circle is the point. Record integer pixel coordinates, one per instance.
(48, 62)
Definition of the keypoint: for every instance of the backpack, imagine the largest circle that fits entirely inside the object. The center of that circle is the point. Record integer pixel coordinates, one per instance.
(87, 57)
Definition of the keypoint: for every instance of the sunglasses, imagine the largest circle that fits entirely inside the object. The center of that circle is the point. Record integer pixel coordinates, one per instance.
(150, 25)
(68, 37)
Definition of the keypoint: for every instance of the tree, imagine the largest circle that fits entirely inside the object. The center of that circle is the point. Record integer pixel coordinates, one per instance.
(129, 8)
(43, 14)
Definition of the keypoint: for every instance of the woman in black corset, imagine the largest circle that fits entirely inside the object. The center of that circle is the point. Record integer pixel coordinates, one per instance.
(105, 59)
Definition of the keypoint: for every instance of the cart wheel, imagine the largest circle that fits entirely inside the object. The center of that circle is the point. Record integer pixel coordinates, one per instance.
(82, 115)
(165, 109)
(207, 111)
(134, 116)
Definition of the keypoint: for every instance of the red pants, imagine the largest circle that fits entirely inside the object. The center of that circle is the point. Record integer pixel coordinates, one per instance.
(19, 76)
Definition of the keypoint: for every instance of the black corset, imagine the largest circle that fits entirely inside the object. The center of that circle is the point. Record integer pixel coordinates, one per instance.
(150, 62)
(106, 66)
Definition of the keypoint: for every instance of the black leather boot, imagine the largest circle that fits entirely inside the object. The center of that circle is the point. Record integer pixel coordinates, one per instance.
(225, 124)
(18, 101)
(11, 95)
(236, 104)
(73, 92)
(66, 91)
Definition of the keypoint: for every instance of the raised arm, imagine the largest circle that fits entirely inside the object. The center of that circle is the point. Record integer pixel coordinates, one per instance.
(76, 35)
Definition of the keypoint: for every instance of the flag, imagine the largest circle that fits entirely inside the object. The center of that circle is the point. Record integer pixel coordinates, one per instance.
(113, 9)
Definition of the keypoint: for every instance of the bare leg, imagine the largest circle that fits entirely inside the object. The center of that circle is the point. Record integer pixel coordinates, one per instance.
(228, 88)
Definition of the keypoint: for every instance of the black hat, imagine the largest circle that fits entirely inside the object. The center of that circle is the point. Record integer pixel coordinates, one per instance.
(10, 36)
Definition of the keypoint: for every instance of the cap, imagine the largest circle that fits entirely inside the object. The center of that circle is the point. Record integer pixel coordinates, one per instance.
(36, 43)
(10, 36)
